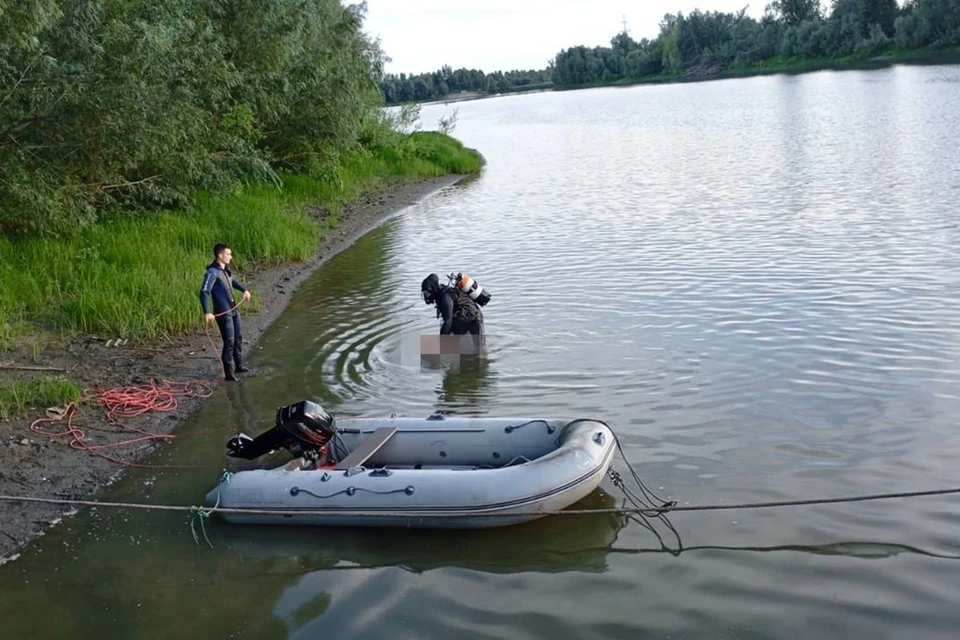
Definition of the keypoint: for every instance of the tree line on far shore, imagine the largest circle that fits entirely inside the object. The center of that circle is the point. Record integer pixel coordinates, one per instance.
(423, 87)
(703, 43)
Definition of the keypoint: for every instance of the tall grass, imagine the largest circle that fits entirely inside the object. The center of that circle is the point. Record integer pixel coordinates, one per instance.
(18, 395)
(11, 328)
(138, 274)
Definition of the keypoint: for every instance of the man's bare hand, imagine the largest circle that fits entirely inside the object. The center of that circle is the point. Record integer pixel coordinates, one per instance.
(246, 296)
(209, 318)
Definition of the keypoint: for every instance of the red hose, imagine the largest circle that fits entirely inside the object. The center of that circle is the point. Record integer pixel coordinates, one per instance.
(130, 402)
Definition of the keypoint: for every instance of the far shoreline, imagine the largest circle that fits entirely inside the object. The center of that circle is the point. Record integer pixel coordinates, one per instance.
(915, 57)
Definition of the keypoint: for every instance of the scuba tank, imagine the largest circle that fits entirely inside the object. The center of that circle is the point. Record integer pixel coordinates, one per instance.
(472, 288)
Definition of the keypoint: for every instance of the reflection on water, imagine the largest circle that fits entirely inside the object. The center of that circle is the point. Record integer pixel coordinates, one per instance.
(241, 411)
(552, 545)
(466, 385)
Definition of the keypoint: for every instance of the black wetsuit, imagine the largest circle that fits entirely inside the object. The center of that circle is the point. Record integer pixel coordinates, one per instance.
(447, 304)
(218, 282)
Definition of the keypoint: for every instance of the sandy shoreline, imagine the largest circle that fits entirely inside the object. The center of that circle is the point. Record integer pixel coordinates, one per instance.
(38, 466)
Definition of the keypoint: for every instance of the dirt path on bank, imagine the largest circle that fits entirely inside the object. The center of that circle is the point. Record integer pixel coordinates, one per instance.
(40, 466)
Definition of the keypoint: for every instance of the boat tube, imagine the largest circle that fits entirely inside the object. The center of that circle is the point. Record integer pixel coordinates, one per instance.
(435, 472)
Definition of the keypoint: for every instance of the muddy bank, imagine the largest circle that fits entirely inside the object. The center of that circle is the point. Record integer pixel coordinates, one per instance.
(40, 466)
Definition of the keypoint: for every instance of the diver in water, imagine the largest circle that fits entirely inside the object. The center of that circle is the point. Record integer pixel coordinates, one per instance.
(459, 305)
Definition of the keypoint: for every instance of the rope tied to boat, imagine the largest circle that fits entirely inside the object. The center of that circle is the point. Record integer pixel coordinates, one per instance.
(545, 512)
(201, 514)
(198, 512)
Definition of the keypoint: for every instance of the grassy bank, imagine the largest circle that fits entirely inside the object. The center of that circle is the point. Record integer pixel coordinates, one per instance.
(780, 64)
(137, 275)
(16, 396)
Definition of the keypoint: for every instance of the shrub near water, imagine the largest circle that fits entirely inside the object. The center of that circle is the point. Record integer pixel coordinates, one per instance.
(139, 274)
(137, 102)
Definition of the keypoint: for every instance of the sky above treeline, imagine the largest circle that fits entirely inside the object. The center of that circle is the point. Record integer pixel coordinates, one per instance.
(502, 35)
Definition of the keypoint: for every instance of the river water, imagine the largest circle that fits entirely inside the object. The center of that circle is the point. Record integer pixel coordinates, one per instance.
(755, 282)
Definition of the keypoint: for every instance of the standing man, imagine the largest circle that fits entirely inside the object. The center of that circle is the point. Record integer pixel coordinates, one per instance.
(218, 282)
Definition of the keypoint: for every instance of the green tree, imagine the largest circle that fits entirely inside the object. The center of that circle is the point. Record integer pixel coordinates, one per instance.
(929, 22)
(793, 12)
(107, 102)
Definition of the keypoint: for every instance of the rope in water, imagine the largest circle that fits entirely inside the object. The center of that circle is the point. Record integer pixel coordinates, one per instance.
(461, 514)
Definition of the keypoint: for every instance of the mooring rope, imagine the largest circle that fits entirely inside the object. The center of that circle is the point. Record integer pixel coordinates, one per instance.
(461, 514)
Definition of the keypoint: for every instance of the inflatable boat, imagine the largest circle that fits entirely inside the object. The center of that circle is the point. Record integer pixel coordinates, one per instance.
(435, 472)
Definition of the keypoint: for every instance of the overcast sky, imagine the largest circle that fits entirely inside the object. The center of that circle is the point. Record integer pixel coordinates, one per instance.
(492, 35)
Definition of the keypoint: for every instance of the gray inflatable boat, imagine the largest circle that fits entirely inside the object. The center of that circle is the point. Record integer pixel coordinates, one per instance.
(436, 472)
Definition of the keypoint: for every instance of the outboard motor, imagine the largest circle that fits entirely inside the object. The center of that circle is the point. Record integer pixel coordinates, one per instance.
(303, 429)
(472, 288)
